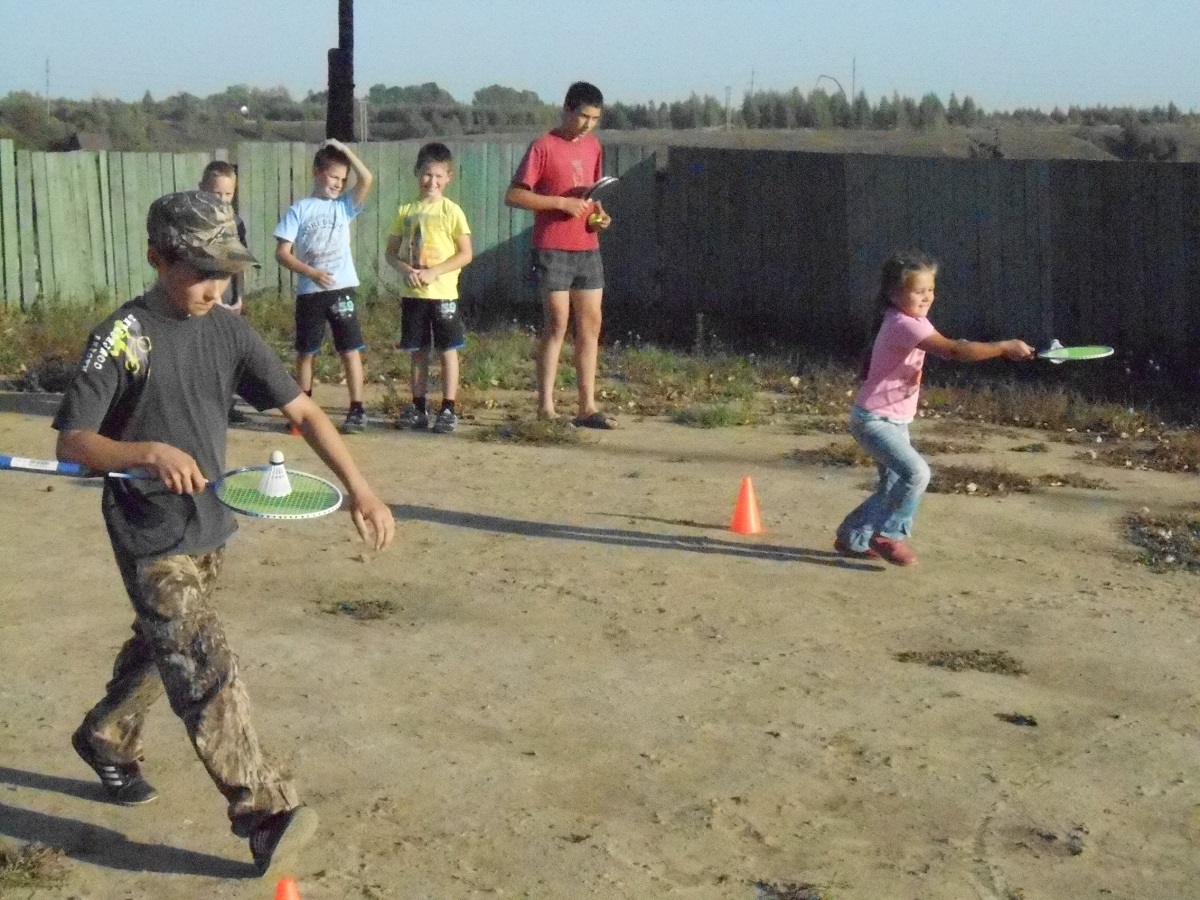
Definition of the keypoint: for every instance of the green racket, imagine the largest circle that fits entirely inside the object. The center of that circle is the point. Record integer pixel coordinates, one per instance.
(263, 492)
(1071, 354)
(309, 497)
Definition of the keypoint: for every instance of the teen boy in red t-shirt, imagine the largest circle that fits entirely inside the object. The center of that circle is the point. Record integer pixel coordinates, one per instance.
(556, 171)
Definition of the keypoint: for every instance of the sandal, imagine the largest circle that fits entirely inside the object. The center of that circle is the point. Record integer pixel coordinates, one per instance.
(600, 420)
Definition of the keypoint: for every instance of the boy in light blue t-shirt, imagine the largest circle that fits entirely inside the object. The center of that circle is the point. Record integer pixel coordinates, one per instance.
(314, 242)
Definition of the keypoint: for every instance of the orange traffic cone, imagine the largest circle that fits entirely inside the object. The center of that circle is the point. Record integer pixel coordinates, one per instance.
(745, 513)
(287, 889)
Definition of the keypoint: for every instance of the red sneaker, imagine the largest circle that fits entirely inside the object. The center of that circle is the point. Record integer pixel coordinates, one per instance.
(897, 553)
(846, 550)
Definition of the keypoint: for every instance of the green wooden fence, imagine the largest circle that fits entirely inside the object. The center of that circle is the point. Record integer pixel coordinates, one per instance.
(771, 247)
(73, 225)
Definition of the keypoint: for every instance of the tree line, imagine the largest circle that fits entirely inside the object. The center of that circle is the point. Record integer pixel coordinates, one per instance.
(185, 121)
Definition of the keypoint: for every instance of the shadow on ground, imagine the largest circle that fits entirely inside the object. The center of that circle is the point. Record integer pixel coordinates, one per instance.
(621, 537)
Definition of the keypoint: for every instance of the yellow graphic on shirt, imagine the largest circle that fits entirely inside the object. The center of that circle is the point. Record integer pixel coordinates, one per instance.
(127, 343)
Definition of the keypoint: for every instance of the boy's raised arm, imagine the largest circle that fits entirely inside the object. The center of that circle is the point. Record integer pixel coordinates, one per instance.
(363, 179)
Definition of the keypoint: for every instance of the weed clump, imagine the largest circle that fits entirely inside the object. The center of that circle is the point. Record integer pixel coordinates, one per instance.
(531, 432)
(1168, 542)
(996, 662)
(31, 866)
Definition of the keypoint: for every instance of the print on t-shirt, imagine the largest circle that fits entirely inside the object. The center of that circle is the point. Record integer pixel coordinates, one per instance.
(317, 240)
(125, 343)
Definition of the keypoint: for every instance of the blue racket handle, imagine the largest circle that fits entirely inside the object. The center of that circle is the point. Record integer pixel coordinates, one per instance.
(48, 466)
(69, 469)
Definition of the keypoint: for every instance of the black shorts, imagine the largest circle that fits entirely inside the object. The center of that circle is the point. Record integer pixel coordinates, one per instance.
(338, 309)
(430, 324)
(568, 270)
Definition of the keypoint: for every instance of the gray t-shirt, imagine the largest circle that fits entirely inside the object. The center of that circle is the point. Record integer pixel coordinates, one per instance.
(147, 376)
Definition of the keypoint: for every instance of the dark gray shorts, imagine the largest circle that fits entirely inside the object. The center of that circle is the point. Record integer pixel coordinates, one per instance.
(568, 270)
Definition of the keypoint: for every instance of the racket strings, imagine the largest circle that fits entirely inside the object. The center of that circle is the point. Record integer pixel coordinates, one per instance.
(309, 496)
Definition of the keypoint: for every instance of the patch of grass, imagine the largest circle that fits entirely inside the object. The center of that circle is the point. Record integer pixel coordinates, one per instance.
(986, 481)
(935, 447)
(31, 866)
(1168, 542)
(657, 377)
(996, 662)
(531, 431)
(363, 610)
(1175, 451)
(963, 430)
(820, 425)
(789, 890)
(983, 481)
(41, 345)
(503, 358)
(719, 415)
(838, 454)
(1029, 405)
(1031, 448)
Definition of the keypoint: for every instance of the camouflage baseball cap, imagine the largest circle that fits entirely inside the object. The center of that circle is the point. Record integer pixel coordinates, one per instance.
(201, 229)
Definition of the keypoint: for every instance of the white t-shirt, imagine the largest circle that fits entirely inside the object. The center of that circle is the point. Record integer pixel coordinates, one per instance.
(319, 231)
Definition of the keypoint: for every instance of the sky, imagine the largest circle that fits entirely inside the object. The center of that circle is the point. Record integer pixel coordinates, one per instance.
(1002, 53)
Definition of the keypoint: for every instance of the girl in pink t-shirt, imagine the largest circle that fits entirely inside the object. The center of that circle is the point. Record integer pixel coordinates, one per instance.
(887, 402)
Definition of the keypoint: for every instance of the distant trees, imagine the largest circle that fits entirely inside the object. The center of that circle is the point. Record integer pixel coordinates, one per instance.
(186, 121)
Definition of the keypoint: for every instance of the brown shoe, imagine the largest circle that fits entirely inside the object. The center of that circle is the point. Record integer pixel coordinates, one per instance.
(898, 553)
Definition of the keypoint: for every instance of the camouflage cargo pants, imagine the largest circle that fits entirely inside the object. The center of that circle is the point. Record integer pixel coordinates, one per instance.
(178, 646)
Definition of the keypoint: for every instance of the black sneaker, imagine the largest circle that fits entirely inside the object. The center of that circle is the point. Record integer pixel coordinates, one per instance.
(446, 422)
(237, 417)
(356, 421)
(122, 782)
(411, 417)
(277, 839)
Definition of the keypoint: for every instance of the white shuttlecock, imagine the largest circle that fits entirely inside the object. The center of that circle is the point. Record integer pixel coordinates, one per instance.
(275, 481)
(1055, 345)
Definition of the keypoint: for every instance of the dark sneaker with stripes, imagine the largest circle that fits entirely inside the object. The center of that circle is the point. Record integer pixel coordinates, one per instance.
(276, 840)
(123, 782)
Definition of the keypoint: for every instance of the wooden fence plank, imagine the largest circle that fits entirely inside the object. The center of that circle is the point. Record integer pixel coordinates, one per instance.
(90, 182)
(48, 287)
(393, 185)
(107, 230)
(27, 228)
(118, 235)
(10, 261)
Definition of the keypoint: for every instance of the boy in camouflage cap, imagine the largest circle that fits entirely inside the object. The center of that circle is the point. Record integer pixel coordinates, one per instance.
(168, 535)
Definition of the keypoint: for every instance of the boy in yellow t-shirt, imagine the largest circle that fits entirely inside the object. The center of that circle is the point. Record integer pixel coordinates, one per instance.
(429, 243)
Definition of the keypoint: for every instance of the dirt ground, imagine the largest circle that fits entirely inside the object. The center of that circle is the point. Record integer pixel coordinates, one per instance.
(588, 687)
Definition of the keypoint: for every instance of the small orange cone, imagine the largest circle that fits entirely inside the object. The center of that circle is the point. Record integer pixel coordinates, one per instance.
(287, 889)
(745, 513)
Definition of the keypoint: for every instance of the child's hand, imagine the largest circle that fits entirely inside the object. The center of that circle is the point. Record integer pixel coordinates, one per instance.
(335, 144)
(175, 469)
(1017, 350)
(574, 206)
(323, 279)
(373, 519)
(599, 219)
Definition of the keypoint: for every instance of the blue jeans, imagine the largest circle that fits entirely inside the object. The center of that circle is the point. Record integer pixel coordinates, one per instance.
(903, 477)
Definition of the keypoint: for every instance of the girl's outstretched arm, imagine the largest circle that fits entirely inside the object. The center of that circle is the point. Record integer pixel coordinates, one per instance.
(975, 351)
